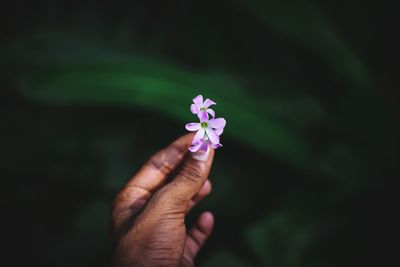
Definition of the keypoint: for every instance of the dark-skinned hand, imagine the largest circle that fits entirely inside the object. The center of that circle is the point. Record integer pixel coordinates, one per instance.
(148, 215)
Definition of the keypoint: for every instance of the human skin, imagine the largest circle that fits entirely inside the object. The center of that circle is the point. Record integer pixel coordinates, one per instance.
(148, 214)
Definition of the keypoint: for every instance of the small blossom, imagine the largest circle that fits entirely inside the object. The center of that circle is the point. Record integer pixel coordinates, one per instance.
(208, 132)
(202, 108)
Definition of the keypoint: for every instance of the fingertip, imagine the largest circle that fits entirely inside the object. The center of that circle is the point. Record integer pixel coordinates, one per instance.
(206, 222)
(185, 139)
(207, 216)
(208, 186)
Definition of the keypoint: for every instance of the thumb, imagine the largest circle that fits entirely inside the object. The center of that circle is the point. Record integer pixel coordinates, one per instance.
(172, 200)
(189, 179)
(191, 176)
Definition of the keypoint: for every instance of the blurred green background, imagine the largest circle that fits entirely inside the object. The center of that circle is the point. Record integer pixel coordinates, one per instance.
(307, 174)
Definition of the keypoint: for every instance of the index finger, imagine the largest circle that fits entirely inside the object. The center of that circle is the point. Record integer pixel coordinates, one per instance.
(156, 170)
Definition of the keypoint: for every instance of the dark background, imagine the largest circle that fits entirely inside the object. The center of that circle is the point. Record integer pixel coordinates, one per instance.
(309, 89)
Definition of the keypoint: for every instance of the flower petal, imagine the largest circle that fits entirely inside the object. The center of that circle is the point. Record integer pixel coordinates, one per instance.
(198, 100)
(204, 145)
(217, 145)
(196, 147)
(217, 123)
(212, 112)
(193, 126)
(219, 131)
(194, 109)
(214, 138)
(203, 115)
(199, 135)
(208, 103)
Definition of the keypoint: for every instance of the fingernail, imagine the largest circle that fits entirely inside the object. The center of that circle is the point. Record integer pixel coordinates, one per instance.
(201, 155)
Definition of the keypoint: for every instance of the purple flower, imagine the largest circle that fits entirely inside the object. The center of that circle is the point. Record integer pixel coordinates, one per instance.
(203, 145)
(202, 108)
(208, 132)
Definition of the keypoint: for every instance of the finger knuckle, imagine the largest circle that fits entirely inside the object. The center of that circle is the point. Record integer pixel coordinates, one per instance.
(156, 163)
(165, 160)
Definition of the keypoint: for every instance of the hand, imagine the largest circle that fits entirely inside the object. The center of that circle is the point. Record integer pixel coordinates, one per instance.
(148, 215)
